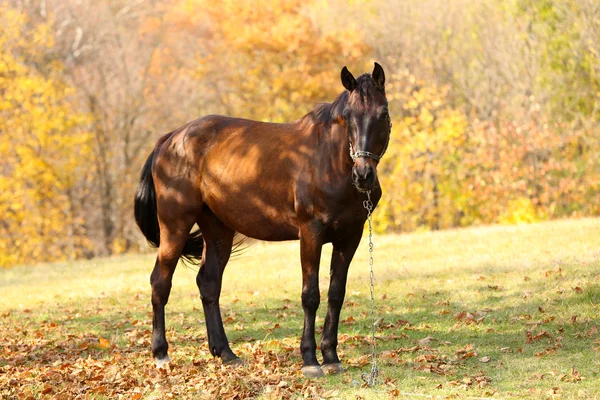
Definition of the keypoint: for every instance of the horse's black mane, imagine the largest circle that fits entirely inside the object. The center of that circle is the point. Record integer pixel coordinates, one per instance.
(327, 112)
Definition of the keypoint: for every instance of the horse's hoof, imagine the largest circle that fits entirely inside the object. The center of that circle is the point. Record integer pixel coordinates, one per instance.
(312, 371)
(234, 362)
(162, 362)
(330, 369)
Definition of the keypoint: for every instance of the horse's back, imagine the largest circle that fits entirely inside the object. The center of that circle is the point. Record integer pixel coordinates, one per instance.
(244, 171)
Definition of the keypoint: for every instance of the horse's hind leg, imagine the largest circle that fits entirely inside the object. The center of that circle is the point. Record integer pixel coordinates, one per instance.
(218, 241)
(173, 235)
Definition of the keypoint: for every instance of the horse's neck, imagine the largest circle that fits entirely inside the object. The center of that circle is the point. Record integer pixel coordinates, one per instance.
(335, 151)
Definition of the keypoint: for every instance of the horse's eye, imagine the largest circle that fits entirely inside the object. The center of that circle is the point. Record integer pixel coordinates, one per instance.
(383, 116)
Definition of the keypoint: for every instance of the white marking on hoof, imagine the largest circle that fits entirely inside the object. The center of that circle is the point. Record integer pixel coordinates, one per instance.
(162, 363)
(330, 369)
(312, 371)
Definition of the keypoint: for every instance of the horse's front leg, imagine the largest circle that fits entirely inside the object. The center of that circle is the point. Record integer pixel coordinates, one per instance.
(311, 243)
(343, 251)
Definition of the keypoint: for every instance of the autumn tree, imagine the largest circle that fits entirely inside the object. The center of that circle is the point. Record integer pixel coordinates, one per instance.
(44, 150)
(521, 76)
(494, 104)
(125, 61)
(268, 60)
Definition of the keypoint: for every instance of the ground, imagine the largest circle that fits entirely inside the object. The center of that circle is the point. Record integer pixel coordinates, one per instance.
(498, 312)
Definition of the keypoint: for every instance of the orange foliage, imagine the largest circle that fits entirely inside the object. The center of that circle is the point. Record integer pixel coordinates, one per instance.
(268, 60)
(446, 171)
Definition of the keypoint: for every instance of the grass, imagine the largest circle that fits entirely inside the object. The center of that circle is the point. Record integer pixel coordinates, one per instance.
(501, 312)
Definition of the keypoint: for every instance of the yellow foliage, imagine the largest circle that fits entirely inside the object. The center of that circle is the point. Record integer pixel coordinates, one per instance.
(425, 145)
(468, 146)
(42, 150)
(518, 211)
(268, 60)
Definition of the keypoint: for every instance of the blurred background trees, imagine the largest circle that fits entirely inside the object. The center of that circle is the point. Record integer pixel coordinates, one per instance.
(494, 104)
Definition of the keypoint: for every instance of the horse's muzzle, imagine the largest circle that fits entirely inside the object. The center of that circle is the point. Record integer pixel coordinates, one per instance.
(363, 175)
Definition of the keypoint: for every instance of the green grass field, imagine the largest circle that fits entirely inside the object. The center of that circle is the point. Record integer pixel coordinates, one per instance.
(494, 312)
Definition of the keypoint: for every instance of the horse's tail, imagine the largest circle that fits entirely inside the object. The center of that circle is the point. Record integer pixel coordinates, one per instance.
(146, 215)
(145, 204)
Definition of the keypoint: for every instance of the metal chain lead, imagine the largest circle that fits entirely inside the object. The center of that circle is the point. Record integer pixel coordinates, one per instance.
(372, 379)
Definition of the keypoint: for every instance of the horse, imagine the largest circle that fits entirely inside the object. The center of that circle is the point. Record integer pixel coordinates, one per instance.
(305, 180)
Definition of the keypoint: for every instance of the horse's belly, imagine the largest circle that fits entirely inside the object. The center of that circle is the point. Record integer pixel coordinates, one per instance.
(256, 214)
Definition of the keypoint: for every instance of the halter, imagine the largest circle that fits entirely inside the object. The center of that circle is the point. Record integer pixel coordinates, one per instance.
(365, 154)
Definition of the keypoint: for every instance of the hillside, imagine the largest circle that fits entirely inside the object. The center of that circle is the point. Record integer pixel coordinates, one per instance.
(502, 311)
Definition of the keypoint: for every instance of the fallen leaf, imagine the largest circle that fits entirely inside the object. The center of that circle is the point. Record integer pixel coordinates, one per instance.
(103, 343)
(575, 375)
(98, 389)
(426, 340)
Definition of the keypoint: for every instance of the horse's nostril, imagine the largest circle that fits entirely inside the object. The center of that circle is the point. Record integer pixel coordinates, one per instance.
(354, 175)
(369, 176)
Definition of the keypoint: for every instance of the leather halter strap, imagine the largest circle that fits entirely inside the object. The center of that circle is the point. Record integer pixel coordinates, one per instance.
(364, 154)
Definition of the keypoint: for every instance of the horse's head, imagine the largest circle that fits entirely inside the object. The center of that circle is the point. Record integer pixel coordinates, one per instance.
(368, 123)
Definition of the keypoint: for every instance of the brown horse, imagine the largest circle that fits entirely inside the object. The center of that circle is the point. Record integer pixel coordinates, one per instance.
(303, 180)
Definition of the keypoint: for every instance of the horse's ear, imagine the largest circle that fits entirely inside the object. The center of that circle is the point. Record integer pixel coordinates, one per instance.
(378, 75)
(348, 80)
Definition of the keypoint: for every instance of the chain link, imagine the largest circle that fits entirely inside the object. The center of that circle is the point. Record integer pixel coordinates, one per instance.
(372, 378)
